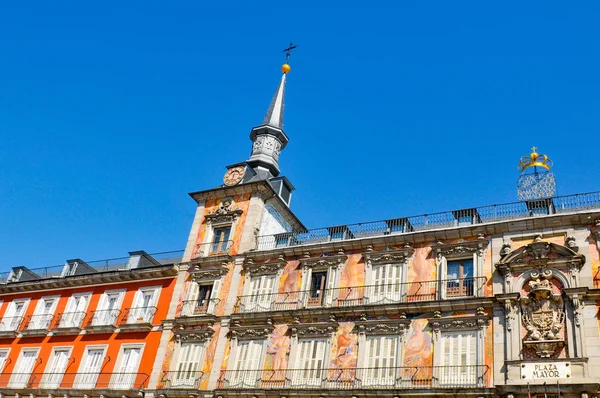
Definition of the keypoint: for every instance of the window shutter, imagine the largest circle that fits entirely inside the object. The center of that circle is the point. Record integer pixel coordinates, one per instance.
(331, 277)
(214, 296)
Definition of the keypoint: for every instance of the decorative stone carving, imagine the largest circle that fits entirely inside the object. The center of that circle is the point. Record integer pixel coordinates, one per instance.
(460, 250)
(385, 327)
(506, 249)
(388, 256)
(571, 243)
(314, 330)
(540, 254)
(202, 273)
(323, 262)
(267, 268)
(194, 335)
(451, 324)
(226, 213)
(251, 332)
(543, 315)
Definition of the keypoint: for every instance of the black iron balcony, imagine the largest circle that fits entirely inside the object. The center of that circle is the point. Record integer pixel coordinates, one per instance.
(363, 295)
(37, 325)
(102, 321)
(181, 380)
(68, 323)
(9, 326)
(222, 248)
(449, 219)
(74, 381)
(408, 377)
(196, 307)
(137, 319)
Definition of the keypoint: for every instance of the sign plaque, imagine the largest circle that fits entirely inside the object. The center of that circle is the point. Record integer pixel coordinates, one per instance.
(545, 370)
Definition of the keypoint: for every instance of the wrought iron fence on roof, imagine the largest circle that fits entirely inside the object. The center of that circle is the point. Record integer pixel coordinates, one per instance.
(448, 219)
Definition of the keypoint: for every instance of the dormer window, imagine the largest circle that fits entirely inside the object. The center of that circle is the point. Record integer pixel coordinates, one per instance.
(466, 217)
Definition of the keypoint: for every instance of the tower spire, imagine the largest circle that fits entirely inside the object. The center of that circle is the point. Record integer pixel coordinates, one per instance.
(268, 139)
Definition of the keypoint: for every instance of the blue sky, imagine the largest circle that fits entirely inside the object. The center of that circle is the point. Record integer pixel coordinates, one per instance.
(110, 113)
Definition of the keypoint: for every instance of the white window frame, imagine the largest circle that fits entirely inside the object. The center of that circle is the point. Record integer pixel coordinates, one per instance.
(261, 300)
(104, 318)
(51, 378)
(41, 320)
(380, 371)
(3, 362)
(388, 292)
(9, 321)
(75, 318)
(140, 314)
(460, 374)
(186, 377)
(18, 378)
(311, 375)
(123, 379)
(87, 380)
(245, 374)
(193, 295)
(331, 283)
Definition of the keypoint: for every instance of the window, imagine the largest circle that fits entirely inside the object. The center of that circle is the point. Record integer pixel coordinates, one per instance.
(57, 364)
(310, 362)
(460, 280)
(202, 298)
(247, 363)
(317, 289)
(3, 357)
(69, 269)
(144, 305)
(90, 367)
(460, 358)
(23, 368)
(381, 354)
(220, 240)
(386, 287)
(43, 314)
(261, 289)
(14, 314)
(108, 308)
(187, 371)
(125, 374)
(75, 311)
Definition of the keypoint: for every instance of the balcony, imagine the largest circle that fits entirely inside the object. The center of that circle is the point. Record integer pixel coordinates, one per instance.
(102, 321)
(446, 289)
(9, 326)
(396, 378)
(37, 325)
(198, 308)
(450, 219)
(73, 381)
(137, 319)
(180, 380)
(67, 323)
(213, 249)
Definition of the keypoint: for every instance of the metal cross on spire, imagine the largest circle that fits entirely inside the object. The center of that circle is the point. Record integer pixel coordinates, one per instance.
(288, 51)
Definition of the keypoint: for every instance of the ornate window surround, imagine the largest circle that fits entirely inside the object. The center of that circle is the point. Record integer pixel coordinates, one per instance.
(444, 252)
(259, 333)
(311, 331)
(386, 256)
(387, 327)
(226, 215)
(266, 268)
(332, 264)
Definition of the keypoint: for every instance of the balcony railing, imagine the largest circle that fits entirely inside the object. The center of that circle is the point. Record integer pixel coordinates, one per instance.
(138, 315)
(448, 219)
(193, 307)
(185, 380)
(213, 249)
(103, 318)
(363, 295)
(69, 320)
(10, 324)
(74, 381)
(408, 377)
(40, 322)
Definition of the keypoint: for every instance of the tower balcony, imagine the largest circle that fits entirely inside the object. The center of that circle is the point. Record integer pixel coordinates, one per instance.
(372, 295)
(381, 378)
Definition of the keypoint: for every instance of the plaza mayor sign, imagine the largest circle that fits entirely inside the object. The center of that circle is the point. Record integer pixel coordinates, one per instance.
(545, 370)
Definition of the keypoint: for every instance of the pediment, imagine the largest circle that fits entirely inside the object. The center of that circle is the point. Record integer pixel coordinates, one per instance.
(541, 253)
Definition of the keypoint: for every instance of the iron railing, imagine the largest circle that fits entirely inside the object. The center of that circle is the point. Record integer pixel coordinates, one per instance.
(10, 324)
(183, 379)
(407, 377)
(103, 318)
(194, 307)
(111, 264)
(448, 219)
(66, 320)
(138, 315)
(38, 322)
(75, 381)
(213, 249)
(363, 295)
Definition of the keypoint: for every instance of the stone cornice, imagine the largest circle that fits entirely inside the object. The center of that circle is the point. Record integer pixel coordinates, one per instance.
(460, 323)
(388, 256)
(324, 262)
(194, 335)
(207, 270)
(314, 329)
(266, 268)
(207, 262)
(251, 332)
(383, 327)
(462, 249)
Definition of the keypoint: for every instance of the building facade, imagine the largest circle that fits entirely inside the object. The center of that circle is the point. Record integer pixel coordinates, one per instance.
(498, 300)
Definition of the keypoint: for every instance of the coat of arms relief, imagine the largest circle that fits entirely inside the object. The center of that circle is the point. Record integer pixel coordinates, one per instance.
(543, 315)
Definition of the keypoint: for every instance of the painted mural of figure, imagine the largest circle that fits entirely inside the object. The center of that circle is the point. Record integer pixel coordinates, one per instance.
(344, 360)
(352, 279)
(278, 347)
(424, 271)
(289, 284)
(417, 354)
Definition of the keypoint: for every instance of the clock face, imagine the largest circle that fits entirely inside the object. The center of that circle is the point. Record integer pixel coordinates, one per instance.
(234, 175)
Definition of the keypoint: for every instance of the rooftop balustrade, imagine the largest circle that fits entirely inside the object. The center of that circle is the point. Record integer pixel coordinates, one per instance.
(448, 219)
(403, 377)
(443, 289)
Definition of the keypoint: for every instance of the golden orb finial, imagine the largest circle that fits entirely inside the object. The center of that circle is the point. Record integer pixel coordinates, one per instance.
(285, 68)
(535, 160)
